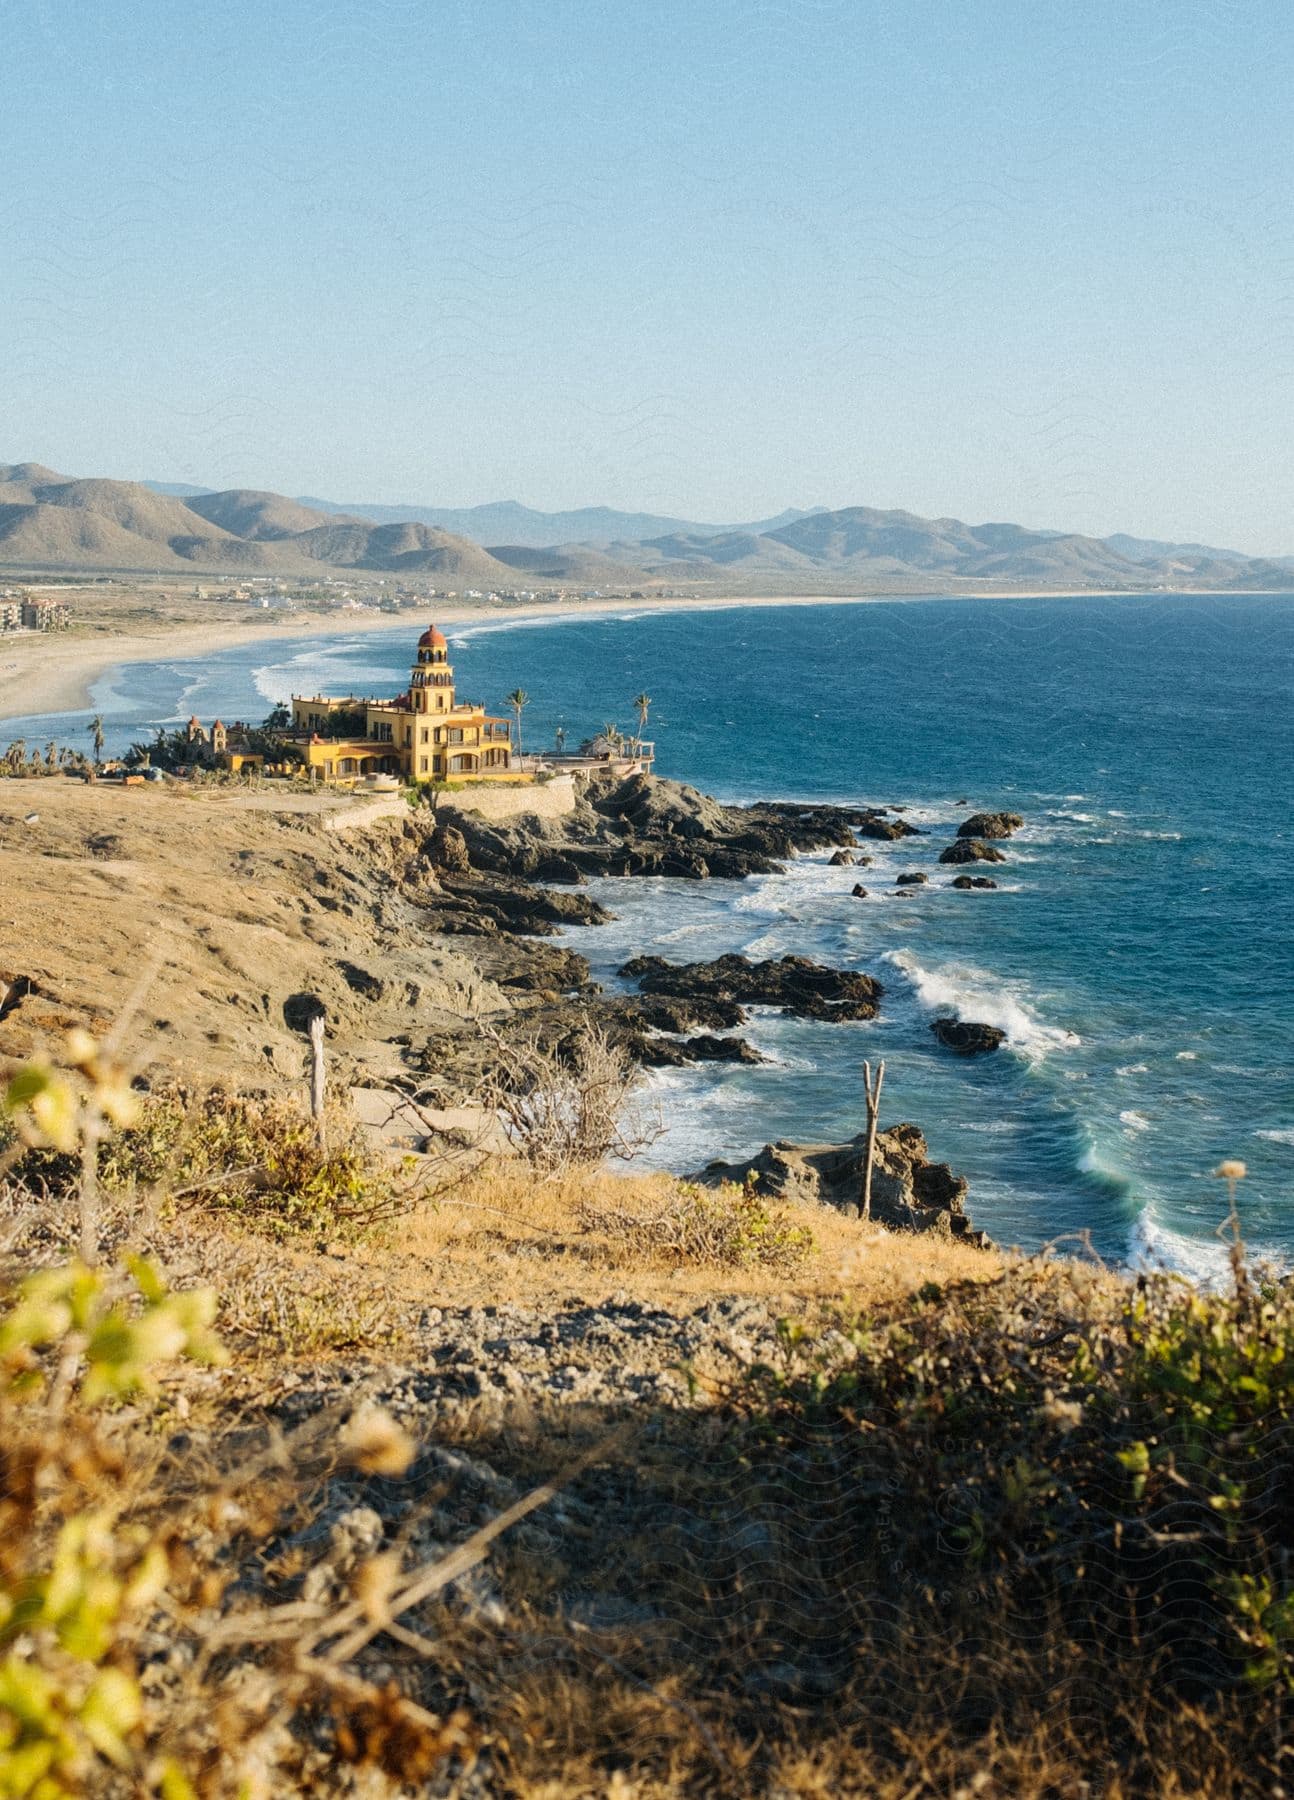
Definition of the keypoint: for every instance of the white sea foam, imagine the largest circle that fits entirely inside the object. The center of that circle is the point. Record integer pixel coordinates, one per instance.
(782, 1059)
(977, 995)
(1152, 1245)
(1135, 1121)
(935, 812)
(336, 666)
(1133, 1069)
(1277, 1137)
(705, 1111)
(462, 634)
(1092, 1162)
(1205, 1261)
(1187, 1055)
(766, 945)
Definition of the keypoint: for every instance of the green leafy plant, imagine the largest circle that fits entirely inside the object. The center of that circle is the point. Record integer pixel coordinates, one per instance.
(73, 1588)
(259, 1159)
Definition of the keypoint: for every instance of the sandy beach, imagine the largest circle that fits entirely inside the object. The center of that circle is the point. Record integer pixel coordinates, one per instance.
(42, 673)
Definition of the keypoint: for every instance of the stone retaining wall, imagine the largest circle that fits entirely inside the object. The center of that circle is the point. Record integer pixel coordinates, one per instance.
(499, 800)
(356, 814)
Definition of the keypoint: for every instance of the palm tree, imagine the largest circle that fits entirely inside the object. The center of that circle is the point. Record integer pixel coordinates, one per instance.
(642, 705)
(95, 729)
(613, 735)
(517, 700)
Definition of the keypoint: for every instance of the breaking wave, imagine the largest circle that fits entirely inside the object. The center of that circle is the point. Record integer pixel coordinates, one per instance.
(977, 996)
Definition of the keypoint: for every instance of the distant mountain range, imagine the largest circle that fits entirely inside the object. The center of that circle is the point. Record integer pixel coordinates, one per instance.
(1155, 549)
(508, 522)
(50, 521)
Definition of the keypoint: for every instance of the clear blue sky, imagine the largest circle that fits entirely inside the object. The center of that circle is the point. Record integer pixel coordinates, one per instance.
(711, 257)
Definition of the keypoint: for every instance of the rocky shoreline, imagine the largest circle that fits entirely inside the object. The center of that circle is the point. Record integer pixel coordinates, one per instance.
(513, 886)
(440, 945)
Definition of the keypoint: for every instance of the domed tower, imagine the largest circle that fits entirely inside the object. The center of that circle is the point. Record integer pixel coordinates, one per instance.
(431, 680)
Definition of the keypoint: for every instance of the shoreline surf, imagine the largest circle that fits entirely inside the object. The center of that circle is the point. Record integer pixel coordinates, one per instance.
(1130, 944)
(52, 673)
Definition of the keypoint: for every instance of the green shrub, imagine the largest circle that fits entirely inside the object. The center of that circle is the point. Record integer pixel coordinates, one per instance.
(259, 1159)
(75, 1586)
(1051, 1461)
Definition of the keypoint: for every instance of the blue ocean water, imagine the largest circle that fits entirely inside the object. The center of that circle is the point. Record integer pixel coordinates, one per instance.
(1138, 952)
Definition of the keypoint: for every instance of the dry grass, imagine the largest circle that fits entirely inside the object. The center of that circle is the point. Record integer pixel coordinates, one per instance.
(504, 1233)
(906, 1557)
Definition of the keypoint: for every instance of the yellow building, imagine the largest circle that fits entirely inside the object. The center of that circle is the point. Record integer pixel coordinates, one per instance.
(423, 735)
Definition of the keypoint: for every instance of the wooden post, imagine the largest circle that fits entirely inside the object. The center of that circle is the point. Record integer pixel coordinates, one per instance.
(317, 1077)
(91, 1132)
(873, 1091)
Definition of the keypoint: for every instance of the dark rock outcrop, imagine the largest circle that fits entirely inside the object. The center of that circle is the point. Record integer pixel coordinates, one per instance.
(858, 891)
(644, 825)
(973, 881)
(842, 859)
(681, 1053)
(914, 878)
(671, 1012)
(515, 905)
(990, 825)
(969, 850)
(885, 830)
(909, 1192)
(968, 1038)
(638, 1020)
(544, 969)
(807, 989)
(705, 1048)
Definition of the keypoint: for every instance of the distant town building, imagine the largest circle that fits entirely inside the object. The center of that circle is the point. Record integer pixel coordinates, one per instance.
(46, 615)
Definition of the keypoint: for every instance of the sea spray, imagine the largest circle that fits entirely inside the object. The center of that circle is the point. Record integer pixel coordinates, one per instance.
(974, 994)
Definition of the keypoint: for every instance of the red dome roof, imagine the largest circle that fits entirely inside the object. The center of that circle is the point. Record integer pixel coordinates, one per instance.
(432, 639)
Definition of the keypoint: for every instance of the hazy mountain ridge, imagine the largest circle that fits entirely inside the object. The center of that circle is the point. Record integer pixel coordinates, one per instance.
(508, 521)
(1154, 550)
(52, 521)
(249, 513)
(616, 532)
(867, 545)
